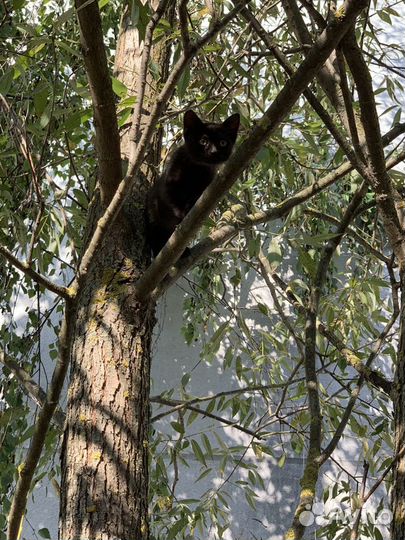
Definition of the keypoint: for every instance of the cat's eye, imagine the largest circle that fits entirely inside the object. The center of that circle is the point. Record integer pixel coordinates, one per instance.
(204, 140)
(223, 143)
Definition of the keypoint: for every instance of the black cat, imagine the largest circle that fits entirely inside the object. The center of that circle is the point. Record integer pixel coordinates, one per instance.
(190, 170)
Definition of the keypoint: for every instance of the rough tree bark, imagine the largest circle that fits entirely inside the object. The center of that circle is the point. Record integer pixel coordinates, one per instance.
(105, 450)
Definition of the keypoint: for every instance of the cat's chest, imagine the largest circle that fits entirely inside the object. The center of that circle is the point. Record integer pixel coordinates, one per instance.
(196, 175)
(186, 179)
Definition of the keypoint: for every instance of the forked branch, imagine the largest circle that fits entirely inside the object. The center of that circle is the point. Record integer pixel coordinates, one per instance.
(138, 151)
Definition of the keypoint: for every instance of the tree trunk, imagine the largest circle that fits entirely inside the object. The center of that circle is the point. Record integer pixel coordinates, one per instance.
(105, 453)
(105, 450)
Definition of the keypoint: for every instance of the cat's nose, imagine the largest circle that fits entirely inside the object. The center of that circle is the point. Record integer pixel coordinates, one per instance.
(211, 149)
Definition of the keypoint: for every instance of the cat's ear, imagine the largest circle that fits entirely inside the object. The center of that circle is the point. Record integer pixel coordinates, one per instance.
(232, 123)
(191, 120)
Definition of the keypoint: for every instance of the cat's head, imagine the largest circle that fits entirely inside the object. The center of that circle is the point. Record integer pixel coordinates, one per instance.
(209, 142)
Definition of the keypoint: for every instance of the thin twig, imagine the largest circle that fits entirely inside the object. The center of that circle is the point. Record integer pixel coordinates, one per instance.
(143, 71)
(237, 391)
(377, 484)
(355, 530)
(36, 393)
(38, 278)
(231, 423)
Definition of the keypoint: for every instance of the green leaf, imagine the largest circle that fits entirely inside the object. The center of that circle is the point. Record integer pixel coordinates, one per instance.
(281, 461)
(44, 533)
(183, 82)
(67, 48)
(6, 81)
(316, 240)
(378, 534)
(66, 15)
(205, 473)
(37, 44)
(192, 416)
(397, 117)
(185, 379)
(211, 406)
(41, 95)
(378, 282)
(307, 262)
(124, 117)
(207, 445)
(135, 12)
(384, 16)
(274, 254)
(177, 426)
(140, 16)
(239, 367)
(177, 527)
(119, 88)
(219, 333)
(198, 452)
(27, 434)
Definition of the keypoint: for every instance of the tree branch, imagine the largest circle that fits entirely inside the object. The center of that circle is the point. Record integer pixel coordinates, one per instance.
(377, 171)
(314, 14)
(105, 117)
(372, 376)
(38, 278)
(312, 463)
(316, 292)
(323, 114)
(185, 405)
(352, 119)
(143, 72)
(183, 20)
(327, 76)
(27, 469)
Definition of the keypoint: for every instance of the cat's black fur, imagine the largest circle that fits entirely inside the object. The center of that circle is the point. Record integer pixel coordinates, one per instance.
(190, 170)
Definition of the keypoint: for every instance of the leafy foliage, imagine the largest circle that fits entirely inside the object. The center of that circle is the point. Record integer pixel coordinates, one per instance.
(246, 329)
